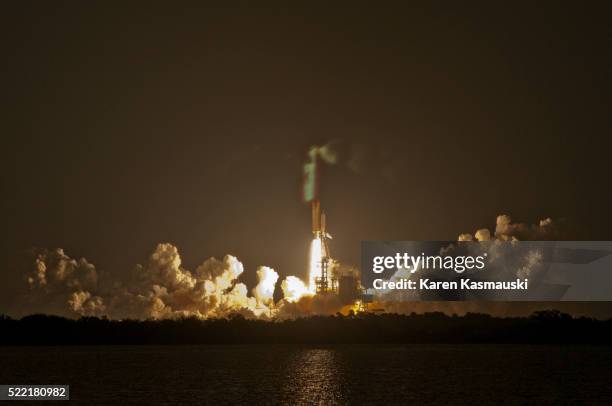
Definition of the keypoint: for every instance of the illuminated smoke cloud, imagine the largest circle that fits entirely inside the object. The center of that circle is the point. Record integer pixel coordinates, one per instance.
(84, 304)
(309, 305)
(264, 291)
(161, 288)
(293, 288)
(54, 282)
(505, 260)
(523, 262)
(505, 230)
(164, 289)
(532, 262)
(528, 263)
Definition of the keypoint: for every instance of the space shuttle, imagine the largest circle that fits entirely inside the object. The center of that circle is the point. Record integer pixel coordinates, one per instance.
(320, 280)
(319, 229)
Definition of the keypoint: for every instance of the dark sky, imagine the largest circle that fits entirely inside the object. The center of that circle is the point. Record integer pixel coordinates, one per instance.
(129, 125)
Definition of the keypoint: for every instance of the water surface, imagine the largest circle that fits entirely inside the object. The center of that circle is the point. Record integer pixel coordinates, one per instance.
(354, 374)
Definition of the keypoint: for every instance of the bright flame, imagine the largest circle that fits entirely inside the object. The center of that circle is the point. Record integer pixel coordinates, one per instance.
(264, 291)
(315, 264)
(293, 289)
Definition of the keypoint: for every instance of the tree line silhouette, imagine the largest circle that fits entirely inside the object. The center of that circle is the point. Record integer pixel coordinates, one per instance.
(549, 326)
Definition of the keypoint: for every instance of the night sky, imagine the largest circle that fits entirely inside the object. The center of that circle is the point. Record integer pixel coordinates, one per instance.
(126, 125)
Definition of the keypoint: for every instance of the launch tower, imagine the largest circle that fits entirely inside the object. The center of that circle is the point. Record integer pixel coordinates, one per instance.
(323, 280)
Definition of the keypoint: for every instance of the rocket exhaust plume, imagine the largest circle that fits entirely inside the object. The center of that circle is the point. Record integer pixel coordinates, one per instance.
(319, 280)
(315, 264)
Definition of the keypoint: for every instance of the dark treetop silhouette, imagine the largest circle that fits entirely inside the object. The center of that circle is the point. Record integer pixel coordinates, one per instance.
(548, 326)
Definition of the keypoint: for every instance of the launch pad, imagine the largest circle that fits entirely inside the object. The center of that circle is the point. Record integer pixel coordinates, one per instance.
(325, 283)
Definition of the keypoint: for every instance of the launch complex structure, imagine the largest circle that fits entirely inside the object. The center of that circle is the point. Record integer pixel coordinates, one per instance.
(324, 276)
(322, 280)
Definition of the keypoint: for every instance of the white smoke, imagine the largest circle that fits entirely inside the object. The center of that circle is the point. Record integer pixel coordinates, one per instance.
(164, 289)
(84, 304)
(293, 288)
(161, 288)
(506, 258)
(526, 264)
(506, 230)
(264, 291)
(54, 282)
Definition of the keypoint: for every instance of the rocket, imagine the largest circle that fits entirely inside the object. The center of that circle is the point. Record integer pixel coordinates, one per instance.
(319, 227)
(320, 259)
(318, 220)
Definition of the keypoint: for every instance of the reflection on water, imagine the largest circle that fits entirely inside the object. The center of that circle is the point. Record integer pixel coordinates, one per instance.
(314, 377)
(277, 374)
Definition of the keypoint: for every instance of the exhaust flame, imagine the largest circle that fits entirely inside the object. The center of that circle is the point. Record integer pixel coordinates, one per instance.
(316, 250)
(293, 289)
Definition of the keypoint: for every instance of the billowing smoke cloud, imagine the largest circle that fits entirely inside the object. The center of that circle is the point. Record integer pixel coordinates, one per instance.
(293, 288)
(310, 305)
(264, 291)
(505, 230)
(54, 283)
(161, 288)
(529, 264)
(506, 261)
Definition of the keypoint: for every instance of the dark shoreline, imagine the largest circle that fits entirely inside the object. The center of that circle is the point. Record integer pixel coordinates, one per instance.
(543, 327)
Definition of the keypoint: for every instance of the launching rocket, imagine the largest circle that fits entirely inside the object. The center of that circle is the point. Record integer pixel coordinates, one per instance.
(319, 227)
(320, 280)
(318, 221)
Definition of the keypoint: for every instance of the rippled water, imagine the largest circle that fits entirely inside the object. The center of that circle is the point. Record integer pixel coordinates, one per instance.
(260, 374)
